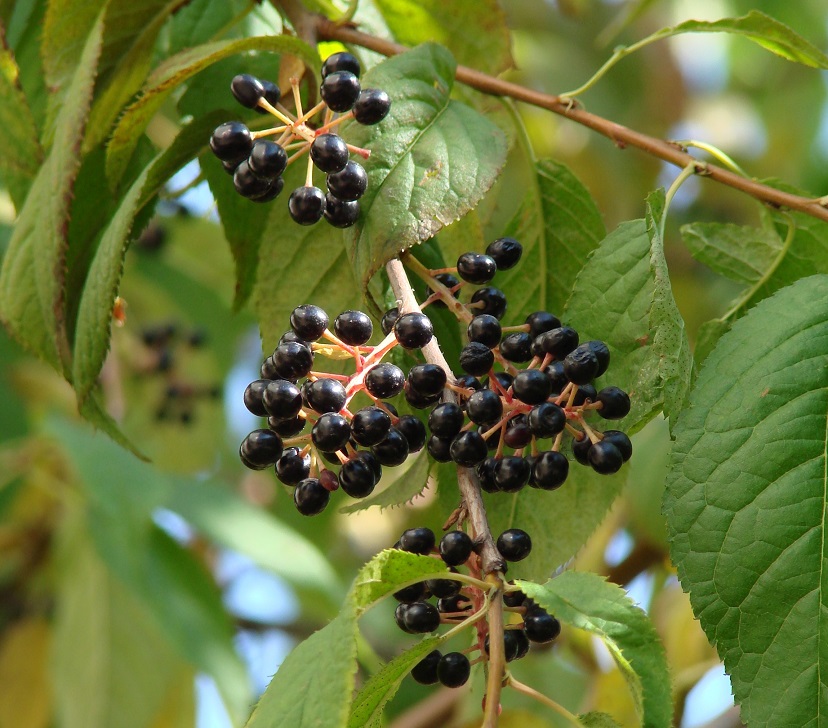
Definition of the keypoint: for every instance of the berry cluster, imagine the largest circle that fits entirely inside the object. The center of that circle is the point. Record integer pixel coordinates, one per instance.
(456, 601)
(257, 163)
(522, 386)
(293, 395)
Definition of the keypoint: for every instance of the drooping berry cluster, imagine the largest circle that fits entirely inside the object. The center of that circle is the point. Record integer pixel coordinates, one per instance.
(522, 389)
(293, 396)
(456, 601)
(257, 163)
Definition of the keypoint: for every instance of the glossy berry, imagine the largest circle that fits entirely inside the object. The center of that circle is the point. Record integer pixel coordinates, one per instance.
(329, 152)
(413, 330)
(514, 544)
(231, 142)
(453, 670)
(292, 467)
(413, 431)
(326, 395)
(282, 399)
(532, 386)
(340, 90)
(421, 617)
(491, 300)
(247, 89)
(446, 420)
(559, 342)
(385, 380)
(485, 329)
(392, 450)
(308, 322)
(418, 540)
(517, 433)
(550, 470)
(581, 365)
(349, 183)
(356, 478)
(556, 376)
(621, 441)
(331, 432)
(515, 644)
(306, 205)
(485, 472)
(580, 449)
(372, 106)
(540, 626)
(247, 183)
(443, 588)
(253, 397)
(583, 393)
(542, 321)
(261, 448)
(514, 599)
(292, 337)
(311, 497)
(468, 449)
(342, 61)
(414, 593)
(368, 457)
(476, 268)
(512, 473)
(453, 604)
(425, 671)
(427, 379)
(455, 548)
(272, 94)
(353, 327)
(286, 428)
(267, 158)
(605, 458)
(388, 320)
(506, 252)
(615, 403)
(399, 617)
(547, 420)
(340, 213)
(292, 360)
(272, 192)
(370, 425)
(439, 448)
(517, 347)
(476, 359)
(602, 354)
(484, 407)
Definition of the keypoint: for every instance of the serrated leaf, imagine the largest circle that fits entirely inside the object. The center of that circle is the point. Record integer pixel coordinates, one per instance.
(432, 158)
(171, 74)
(559, 225)
(589, 602)
(706, 337)
(746, 504)
(477, 33)
(769, 33)
(738, 252)
(198, 22)
(33, 273)
(383, 684)
(66, 27)
(398, 485)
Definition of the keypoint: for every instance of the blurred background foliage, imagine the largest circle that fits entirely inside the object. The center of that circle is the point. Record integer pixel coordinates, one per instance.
(165, 595)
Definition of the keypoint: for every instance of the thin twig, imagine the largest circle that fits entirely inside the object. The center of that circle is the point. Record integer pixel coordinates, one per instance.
(622, 136)
(541, 698)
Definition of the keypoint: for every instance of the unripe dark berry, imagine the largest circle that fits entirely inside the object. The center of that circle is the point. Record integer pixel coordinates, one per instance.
(418, 540)
(282, 399)
(370, 425)
(261, 448)
(267, 158)
(392, 450)
(353, 327)
(491, 301)
(542, 321)
(340, 90)
(427, 379)
(247, 89)
(425, 671)
(476, 359)
(621, 441)
(372, 106)
(517, 347)
(484, 407)
(540, 626)
(253, 397)
(413, 431)
(455, 548)
(311, 497)
(615, 403)
(514, 544)
(476, 268)
(231, 142)
(329, 152)
(532, 386)
(485, 329)
(506, 252)
(340, 213)
(331, 432)
(605, 458)
(356, 478)
(413, 330)
(306, 205)
(453, 670)
(468, 449)
(550, 470)
(308, 322)
(349, 183)
(385, 380)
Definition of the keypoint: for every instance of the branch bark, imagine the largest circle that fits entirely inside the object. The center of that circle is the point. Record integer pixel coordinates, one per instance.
(621, 135)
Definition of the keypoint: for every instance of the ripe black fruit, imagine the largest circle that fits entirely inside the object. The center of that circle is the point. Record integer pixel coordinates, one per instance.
(604, 457)
(370, 425)
(558, 342)
(308, 322)
(261, 448)
(540, 626)
(329, 152)
(468, 449)
(231, 142)
(476, 359)
(425, 671)
(491, 300)
(455, 548)
(342, 61)
(292, 467)
(372, 106)
(385, 380)
(581, 365)
(292, 360)
(514, 544)
(439, 448)
(550, 470)
(413, 431)
(331, 432)
(253, 397)
(421, 617)
(414, 593)
(621, 441)
(417, 540)
(340, 213)
(247, 89)
(388, 320)
(349, 183)
(532, 386)
(413, 330)
(392, 450)
(542, 321)
(353, 327)
(506, 252)
(602, 354)
(311, 497)
(356, 478)
(267, 158)
(446, 420)
(340, 90)
(247, 183)
(484, 407)
(517, 347)
(427, 379)
(306, 205)
(485, 329)
(282, 399)
(511, 474)
(615, 403)
(476, 268)
(547, 420)
(453, 670)
(272, 94)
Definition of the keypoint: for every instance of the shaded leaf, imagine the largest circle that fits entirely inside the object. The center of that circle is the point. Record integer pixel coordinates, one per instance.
(431, 160)
(398, 485)
(746, 504)
(598, 720)
(25, 689)
(588, 602)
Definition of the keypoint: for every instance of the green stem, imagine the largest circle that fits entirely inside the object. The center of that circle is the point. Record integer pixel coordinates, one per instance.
(541, 698)
(714, 152)
(688, 171)
(348, 15)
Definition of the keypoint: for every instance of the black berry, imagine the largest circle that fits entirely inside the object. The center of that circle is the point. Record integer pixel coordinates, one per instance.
(468, 449)
(602, 353)
(372, 106)
(532, 386)
(485, 329)
(253, 397)
(392, 450)
(550, 470)
(413, 330)
(604, 457)
(340, 213)
(292, 360)
(446, 420)
(292, 467)
(455, 548)
(453, 670)
(425, 671)
(329, 152)
(615, 403)
(512, 473)
(418, 540)
(272, 94)
(542, 321)
(356, 478)
(308, 322)
(621, 441)
(247, 89)
(414, 593)
(370, 425)
(388, 320)
(476, 358)
(311, 497)
(476, 268)
(581, 365)
(540, 626)
(306, 205)
(580, 449)
(491, 300)
(421, 617)
(506, 252)
(350, 183)
(484, 407)
(514, 544)
(282, 399)
(385, 380)
(231, 142)
(427, 379)
(286, 428)
(342, 61)
(558, 342)
(267, 158)
(247, 183)
(439, 448)
(261, 448)
(413, 431)
(517, 347)
(353, 327)
(340, 90)
(331, 432)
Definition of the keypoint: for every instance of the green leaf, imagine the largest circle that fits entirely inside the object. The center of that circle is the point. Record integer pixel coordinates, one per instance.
(198, 22)
(476, 33)
(20, 154)
(398, 485)
(707, 336)
(596, 719)
(383, 684)
(772, 35)
(746, 504)
(623, 297)
(559, 225)
(432, 158)
(67, 26)
(588, 602)
(312, 688)
(171, 74)
(738, 252)
(33, 273)
(92, 409)
(559, 522)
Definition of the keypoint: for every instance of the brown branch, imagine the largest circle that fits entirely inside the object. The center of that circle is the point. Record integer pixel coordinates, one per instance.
(622, 136)
(641, 558)
(437, 709)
